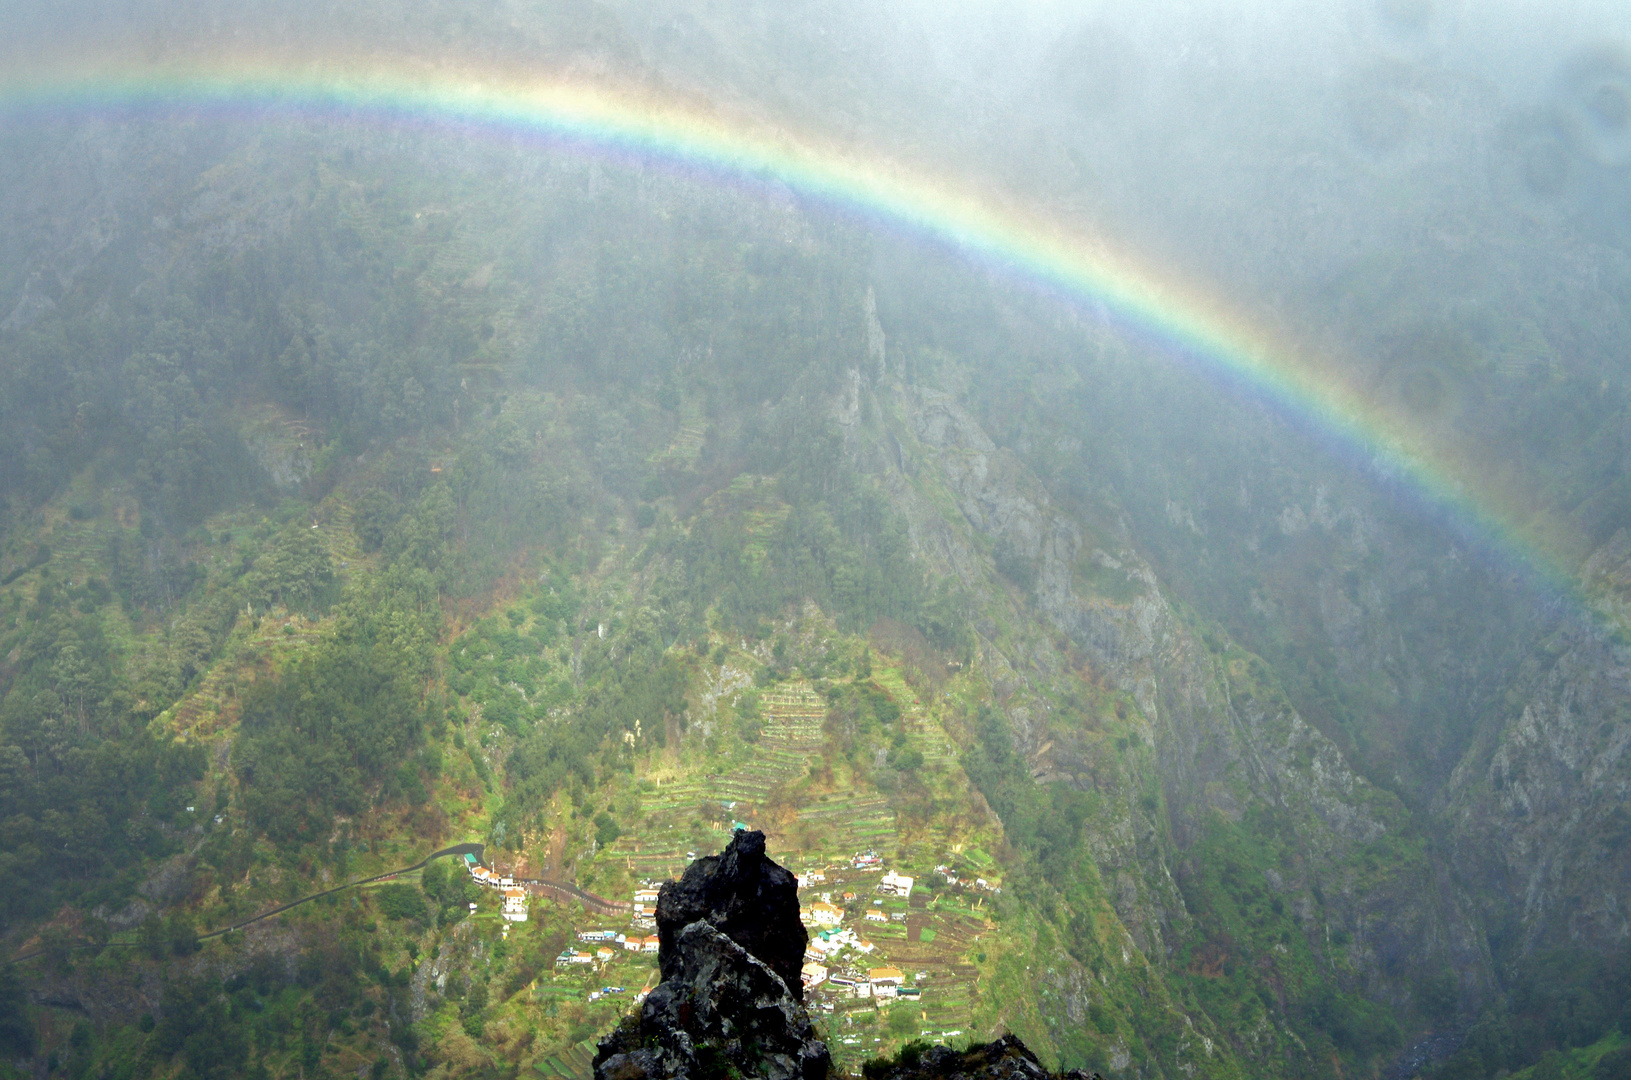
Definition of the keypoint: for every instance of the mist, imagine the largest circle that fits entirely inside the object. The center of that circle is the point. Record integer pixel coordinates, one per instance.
(1130, 506)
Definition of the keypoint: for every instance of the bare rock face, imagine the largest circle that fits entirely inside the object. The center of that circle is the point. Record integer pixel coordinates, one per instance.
(721, 1012)
(1006, 1058)
(730, 1001)
(745, 896)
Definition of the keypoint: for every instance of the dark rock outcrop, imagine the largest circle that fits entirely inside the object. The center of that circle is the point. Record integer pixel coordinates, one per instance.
(721, 1012)
(745, 896)
(1006, 1058)
(730, 1000)
(731, 1004)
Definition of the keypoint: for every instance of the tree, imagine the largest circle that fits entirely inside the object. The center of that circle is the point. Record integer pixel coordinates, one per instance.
(17, 1034)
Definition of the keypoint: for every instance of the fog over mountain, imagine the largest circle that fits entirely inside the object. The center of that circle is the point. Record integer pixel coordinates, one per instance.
(1157, 477)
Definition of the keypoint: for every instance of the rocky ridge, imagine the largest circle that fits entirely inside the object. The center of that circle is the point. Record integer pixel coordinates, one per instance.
(728, 928)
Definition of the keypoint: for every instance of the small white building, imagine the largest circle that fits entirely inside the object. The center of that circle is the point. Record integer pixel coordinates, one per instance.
(894, 884)
(515, 905)
(650, 944)
(812, 975)
(876, 915)
(826, 914)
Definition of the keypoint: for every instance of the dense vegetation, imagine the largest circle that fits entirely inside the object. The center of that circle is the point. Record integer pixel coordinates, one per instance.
(483, 496)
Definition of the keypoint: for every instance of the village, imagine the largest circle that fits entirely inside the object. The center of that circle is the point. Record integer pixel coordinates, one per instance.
(848, 977)
(514, 893)
(903, 929)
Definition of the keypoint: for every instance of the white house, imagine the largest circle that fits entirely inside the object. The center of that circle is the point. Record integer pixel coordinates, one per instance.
(876, 915)
(894, 884)
(886, 981)
(826, 914)
(813, 975)
(515, 905)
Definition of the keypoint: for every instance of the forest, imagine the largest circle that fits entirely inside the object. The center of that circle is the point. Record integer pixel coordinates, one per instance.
(377, 477)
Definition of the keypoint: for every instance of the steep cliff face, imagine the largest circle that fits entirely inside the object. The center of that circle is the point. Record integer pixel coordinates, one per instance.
(1536, 811)
(1203, 753)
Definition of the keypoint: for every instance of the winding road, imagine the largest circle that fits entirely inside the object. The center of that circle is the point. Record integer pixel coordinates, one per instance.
(457, 849)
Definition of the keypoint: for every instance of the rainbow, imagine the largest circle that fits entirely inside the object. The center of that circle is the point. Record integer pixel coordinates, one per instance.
(622, 123)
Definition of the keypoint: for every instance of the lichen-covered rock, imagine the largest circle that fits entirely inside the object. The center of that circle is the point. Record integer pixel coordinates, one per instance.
(1006, 1058)
(719, 1011)
(744, 895)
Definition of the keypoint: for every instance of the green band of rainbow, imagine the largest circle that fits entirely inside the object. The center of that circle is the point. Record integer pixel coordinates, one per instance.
(617, 122)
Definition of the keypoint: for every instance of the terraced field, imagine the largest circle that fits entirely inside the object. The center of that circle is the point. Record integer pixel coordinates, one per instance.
(933, 938)
(794, 714)
(852, 822)
(576, 1062)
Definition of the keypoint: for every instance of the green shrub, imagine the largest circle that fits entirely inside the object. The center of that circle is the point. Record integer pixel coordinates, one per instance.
(399, 901)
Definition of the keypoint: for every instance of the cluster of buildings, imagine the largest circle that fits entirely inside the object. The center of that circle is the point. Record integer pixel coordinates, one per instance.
(830, 937)
(825, 947)
(645, 906)
(627, 942)
(515, 897)
(980, 883)
(879, 982)
(604, 954)
(829, 943)
(607, 943)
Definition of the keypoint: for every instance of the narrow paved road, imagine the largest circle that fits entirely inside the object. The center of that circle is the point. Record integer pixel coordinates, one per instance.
(456, 849)
(557, 890)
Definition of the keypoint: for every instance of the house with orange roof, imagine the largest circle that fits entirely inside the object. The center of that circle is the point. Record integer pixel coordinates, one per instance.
(886, 981)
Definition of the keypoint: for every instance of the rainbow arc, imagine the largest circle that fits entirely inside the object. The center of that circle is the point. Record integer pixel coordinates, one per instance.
(587, 118)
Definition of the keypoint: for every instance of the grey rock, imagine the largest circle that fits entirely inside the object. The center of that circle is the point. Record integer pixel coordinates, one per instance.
(1006, 1058)
(747, 897)
(720, 1009)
